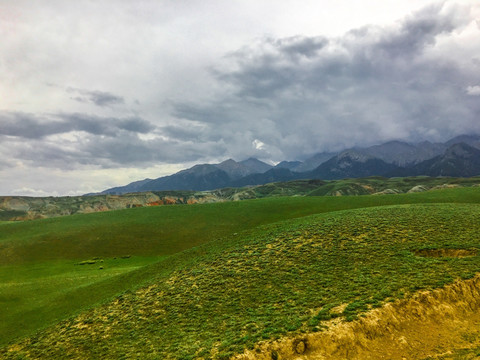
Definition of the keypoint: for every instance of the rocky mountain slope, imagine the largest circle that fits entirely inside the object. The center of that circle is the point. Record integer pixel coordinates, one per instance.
(199, 177)
(394, 158)
(404, 154)
(458, 160)
(351, 164)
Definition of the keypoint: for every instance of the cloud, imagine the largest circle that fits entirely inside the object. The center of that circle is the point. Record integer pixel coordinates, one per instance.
(473, 90)
(26, 191)
(257, 144)
(5, 163)
(277, 99)
(65, 140)
(99, 98)
(303, 94)
(28, 126)
(421, 30)
(72, 140)
(32, 126)
(129, 149)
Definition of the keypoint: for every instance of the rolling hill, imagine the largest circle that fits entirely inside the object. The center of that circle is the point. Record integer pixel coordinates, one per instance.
(235, 277)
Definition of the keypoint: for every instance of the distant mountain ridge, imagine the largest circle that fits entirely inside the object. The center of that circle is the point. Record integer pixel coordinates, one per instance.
(351, 164)
(459, 160)
(405, 154)
(459, 157)
(199, 177)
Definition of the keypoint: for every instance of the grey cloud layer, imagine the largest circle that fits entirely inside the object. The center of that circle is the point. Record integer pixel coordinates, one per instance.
(280, 98)
(106, 142)
(31, 126)
(99, 98)
(372, 84)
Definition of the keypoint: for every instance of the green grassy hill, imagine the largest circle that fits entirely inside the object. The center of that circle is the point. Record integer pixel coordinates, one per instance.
(211, 280)
(167, 230)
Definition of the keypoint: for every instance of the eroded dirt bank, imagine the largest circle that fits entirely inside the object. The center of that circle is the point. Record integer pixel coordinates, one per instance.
(435, 324)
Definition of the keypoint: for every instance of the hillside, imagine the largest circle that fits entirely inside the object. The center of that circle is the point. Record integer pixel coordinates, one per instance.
(28, 208)
(288, 278)
(53, 268)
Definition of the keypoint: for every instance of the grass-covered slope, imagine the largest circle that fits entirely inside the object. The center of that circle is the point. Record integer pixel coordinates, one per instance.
(41, 283)
(215, 300)
(167, 230)
(35, 295)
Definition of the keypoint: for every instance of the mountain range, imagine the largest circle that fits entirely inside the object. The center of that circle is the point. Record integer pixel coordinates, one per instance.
(458, 157)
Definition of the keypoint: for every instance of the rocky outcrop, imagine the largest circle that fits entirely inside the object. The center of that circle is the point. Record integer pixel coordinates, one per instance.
(29, 208)
(417, 188)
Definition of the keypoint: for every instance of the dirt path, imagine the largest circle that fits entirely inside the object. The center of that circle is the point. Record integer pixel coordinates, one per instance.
(433, 325)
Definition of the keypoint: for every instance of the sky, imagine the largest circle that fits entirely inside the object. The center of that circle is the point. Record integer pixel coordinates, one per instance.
(96, 94)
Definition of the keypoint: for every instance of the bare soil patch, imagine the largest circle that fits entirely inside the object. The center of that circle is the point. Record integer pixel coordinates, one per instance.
(427, 325)
(451, 253)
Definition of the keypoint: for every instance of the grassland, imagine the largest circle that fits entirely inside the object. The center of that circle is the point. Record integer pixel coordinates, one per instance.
(36, 294)
(167, 230)
(224, 276)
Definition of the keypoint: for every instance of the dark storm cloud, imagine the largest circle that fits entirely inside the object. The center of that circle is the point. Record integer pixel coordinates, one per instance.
(32, 126)
(131, 150)
(367, 54)
(299, 46)
(278, 99)
(308, 94)
(29, 126)
(419, 31)
(49, 154)
(185, 132)
(99, 98)
(135, 125)
(106, 142)
(107, 152)
(109, 126)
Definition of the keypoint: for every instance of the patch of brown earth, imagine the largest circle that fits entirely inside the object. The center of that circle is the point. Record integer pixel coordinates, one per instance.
(428, 324)
(368, 188)
(451, 253)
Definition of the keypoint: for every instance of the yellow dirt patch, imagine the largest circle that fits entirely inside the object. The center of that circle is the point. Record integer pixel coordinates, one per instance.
(454, 253)
(15, 348)
(427, 324)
